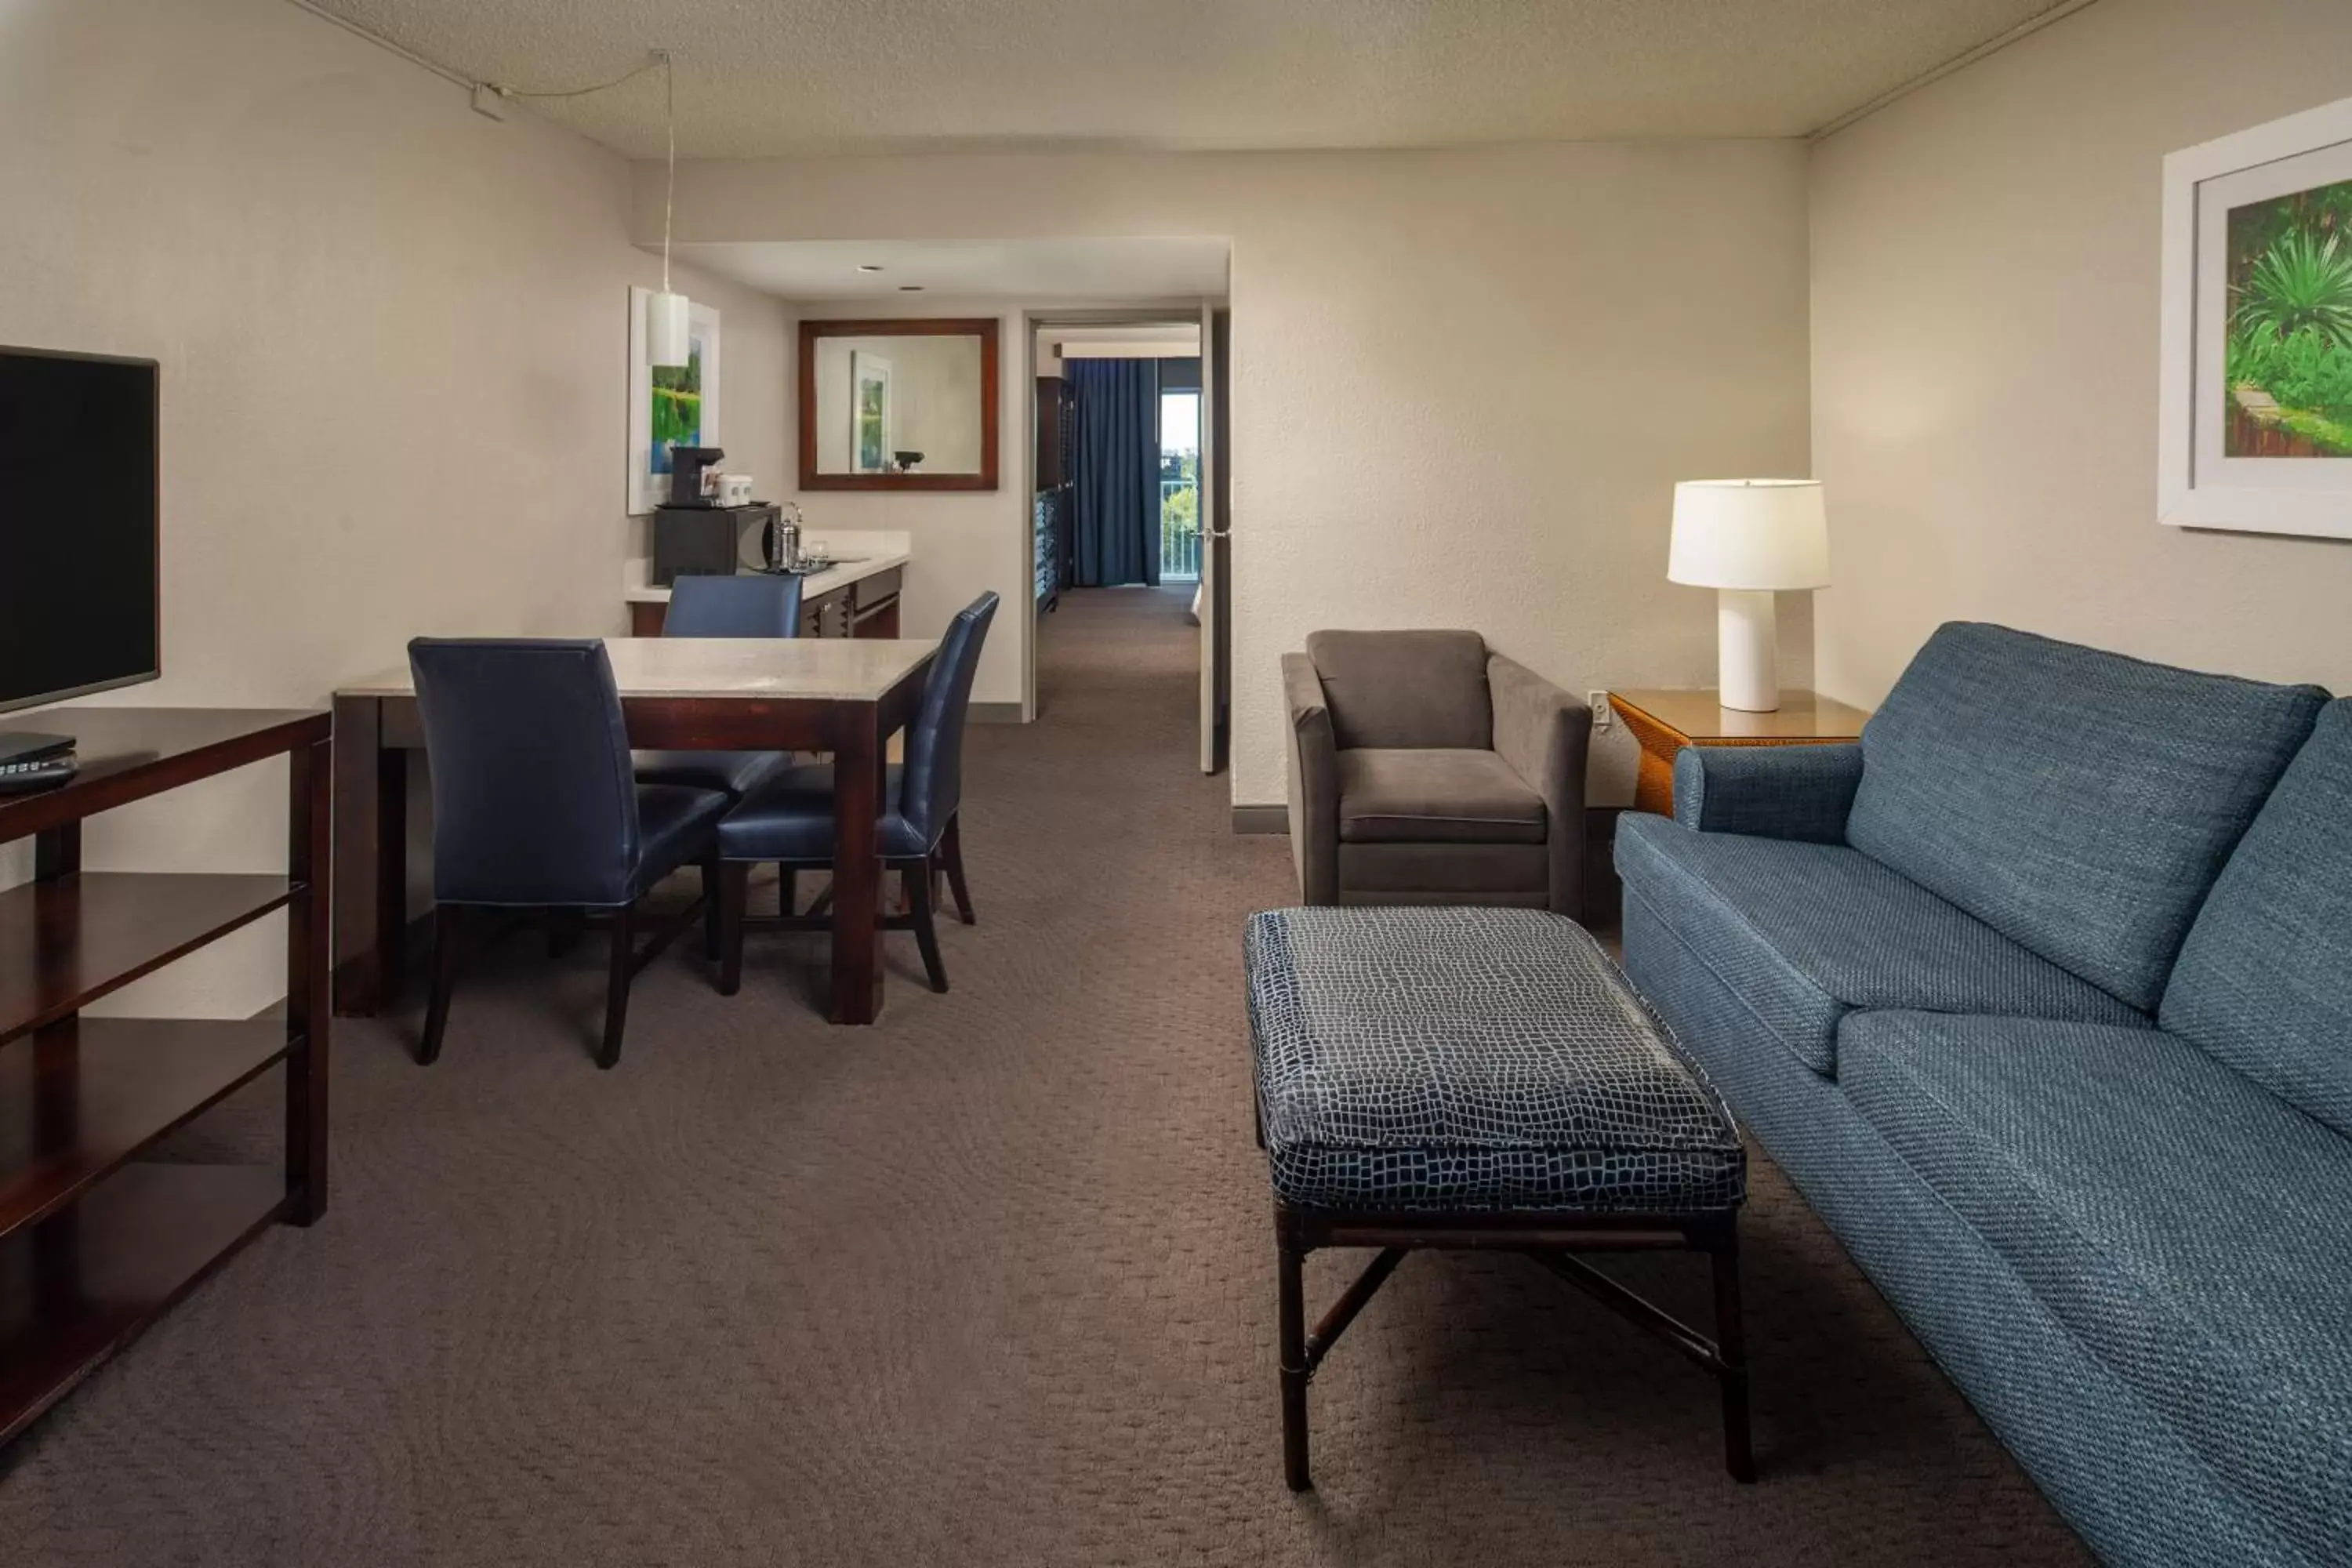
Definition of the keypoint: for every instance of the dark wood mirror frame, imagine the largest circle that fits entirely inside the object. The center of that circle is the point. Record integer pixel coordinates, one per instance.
(991, 396)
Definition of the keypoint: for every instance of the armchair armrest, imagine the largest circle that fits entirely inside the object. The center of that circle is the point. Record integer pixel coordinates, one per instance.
(1543, 733)
(1767, 792)
(1314, 782)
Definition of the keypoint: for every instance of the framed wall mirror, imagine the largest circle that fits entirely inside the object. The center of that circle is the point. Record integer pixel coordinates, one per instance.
(899, 404)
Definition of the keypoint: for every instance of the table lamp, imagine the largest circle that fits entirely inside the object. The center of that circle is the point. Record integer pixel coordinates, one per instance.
(1749, 539)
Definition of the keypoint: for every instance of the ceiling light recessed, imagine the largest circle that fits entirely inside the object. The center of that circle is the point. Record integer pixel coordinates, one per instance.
(870, 266)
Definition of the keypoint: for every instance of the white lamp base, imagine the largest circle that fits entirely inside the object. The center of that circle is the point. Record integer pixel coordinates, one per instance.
(1747, 650)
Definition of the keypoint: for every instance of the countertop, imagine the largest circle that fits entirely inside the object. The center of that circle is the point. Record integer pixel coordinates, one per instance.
(871, 551)
(838, 670)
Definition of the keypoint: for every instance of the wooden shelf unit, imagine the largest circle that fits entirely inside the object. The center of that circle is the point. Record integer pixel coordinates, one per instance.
(95, 1242)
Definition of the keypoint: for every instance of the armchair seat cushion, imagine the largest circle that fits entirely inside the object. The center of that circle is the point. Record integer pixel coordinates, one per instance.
(1436, 796)
(675, 824)
(1805, 933)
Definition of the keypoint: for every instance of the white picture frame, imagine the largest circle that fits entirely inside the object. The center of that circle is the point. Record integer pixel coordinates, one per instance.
(868, 368)
(2200, 483)
(648, 475)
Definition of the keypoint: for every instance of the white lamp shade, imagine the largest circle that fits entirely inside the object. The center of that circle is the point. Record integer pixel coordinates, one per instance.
(1749, 533)
(668, 330)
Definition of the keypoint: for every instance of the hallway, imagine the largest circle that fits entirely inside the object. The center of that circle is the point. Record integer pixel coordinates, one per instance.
(991, 1283)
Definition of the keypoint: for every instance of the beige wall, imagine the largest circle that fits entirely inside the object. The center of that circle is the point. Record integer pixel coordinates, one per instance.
(1984, 321)
(1463, 383)
(393, 338)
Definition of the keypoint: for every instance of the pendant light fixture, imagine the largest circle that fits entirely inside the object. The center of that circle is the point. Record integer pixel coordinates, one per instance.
(668, 316)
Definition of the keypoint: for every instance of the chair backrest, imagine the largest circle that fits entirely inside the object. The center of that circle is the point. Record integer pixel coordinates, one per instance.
(747, 605)
(930, 785)
(2080, 802)
(1415, 690)
(2264, 982)
(533, 799)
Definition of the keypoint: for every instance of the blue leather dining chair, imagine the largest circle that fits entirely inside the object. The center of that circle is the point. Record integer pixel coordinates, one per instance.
(748, 604)
(534, 806)
(790, 820)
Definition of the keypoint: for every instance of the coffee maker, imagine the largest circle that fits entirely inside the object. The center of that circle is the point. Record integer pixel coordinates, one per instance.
(688, 468)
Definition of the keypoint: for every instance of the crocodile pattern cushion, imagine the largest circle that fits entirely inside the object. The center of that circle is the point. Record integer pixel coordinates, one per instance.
(1470, 1060)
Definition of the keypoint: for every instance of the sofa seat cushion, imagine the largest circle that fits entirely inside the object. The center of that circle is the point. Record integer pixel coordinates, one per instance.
(2078, 801)
(1802, 933)
(1438, 796)
(2189, 1228)
(2264, 983)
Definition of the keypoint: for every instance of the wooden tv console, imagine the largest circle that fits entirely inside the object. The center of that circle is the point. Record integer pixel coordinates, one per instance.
(95, 1241)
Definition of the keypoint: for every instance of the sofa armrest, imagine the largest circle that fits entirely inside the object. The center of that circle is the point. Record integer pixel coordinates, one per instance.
(1767, 792)
(1543, 733)
(1314, 782)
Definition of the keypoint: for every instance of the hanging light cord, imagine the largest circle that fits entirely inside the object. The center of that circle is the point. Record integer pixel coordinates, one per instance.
(669, 186)
(660, 57)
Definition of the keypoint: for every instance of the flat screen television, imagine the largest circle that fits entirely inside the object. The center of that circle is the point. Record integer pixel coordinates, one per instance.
(78, 567)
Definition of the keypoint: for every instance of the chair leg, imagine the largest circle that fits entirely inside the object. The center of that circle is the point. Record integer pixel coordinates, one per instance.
(1730, 1340)
(734, 888)
(914, 878)
(711, 922)
(951, 855)
(447, 922)
(788, 890)
(1291, 1349)
(616, 984)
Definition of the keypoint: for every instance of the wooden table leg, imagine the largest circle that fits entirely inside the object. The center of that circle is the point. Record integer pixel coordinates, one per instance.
(370, 878)
(857, 872)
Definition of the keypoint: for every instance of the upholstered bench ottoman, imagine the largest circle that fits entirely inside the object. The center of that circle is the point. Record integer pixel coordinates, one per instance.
(1481, 1078)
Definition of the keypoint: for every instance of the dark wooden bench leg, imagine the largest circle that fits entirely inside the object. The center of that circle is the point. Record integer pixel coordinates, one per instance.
(1291, 1336)
(1739, 1452)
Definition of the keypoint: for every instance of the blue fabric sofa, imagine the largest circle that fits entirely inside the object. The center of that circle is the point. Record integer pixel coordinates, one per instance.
(2042, 997)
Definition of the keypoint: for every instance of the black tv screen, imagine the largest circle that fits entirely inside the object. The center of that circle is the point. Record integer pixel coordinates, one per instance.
(77, 517)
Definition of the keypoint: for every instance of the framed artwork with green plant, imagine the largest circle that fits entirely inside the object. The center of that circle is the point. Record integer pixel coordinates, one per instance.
(2255, 429)
(669, 406)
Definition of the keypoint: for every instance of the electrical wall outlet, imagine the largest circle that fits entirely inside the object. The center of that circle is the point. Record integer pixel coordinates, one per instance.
(1598, 700)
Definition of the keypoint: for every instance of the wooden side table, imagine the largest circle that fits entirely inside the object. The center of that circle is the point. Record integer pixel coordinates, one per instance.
(1666, 721)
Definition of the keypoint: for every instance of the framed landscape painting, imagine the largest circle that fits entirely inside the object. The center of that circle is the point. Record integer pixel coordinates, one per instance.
(2255, 429)
(669, 406)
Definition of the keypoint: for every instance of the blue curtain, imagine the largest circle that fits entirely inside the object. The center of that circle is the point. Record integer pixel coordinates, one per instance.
(1115, 471)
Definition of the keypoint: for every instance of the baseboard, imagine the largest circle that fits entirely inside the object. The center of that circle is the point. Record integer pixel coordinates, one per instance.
(1262, 819)
(995, 712)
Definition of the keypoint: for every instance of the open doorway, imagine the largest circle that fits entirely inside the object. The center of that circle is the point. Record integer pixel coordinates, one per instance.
(1126, 509)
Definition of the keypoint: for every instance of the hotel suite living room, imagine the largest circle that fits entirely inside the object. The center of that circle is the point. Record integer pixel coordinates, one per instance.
(1356, 782)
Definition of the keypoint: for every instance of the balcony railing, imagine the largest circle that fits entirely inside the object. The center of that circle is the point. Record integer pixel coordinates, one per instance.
(1180, 531)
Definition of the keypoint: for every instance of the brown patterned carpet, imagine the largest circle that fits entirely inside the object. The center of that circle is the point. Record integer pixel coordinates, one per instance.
(990, 1283)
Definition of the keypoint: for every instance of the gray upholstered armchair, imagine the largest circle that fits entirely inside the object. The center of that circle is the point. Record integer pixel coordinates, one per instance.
(1425, 770)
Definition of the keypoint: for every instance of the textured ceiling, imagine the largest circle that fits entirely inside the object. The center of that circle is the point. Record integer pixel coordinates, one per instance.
(1060, 269)
(760, 77)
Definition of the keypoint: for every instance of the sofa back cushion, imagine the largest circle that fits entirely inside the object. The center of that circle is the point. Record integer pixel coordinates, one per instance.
(2264, 982)
(1405, 690)
(2079, 801)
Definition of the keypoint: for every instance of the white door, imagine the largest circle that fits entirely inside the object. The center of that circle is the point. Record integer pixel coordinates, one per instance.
(1212, 531)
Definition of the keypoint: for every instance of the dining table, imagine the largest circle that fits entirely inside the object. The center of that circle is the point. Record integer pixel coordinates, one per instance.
(846, 696)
